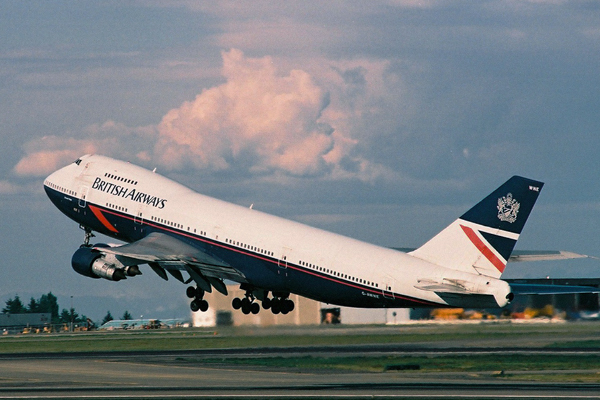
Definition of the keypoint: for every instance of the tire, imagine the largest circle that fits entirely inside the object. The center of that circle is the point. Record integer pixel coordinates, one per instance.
(246, 308)
(245, 303)
(289, 305)
(195, 305)
(236, 303)
(266, 303)
(203, 305)
(254, 308)
(190, 292)
(275, 306)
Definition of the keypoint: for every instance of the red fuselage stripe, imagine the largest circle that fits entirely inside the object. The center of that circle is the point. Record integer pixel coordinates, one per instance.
(489, 254)
(98, 213)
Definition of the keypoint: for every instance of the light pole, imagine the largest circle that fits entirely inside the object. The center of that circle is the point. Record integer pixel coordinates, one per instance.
(71, 328)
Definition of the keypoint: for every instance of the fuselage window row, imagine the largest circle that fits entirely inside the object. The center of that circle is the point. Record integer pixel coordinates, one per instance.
(353, 278)
(115, 207)
(248, 247)
(61, 189)
(120, 179)
(173, 224)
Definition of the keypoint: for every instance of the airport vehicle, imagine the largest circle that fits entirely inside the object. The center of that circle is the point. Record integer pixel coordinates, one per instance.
(177, 231)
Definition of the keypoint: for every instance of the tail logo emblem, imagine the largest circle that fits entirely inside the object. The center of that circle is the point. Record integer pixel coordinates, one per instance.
(508, 208)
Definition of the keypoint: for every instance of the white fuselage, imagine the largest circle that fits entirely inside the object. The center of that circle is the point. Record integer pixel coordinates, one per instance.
(127, 202)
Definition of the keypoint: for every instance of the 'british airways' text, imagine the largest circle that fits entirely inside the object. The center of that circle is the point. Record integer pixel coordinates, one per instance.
(126, 193)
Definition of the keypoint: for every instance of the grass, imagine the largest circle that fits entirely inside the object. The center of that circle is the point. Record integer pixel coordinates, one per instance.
(446, 363)
(482, 335)
(567, 368)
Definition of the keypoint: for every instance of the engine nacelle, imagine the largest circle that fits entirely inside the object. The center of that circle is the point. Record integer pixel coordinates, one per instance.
(92, 264)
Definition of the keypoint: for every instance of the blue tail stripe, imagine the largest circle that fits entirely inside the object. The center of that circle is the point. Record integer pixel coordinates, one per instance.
(502, 245)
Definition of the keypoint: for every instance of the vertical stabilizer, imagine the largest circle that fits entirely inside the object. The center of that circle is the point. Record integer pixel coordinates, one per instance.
(483, 238)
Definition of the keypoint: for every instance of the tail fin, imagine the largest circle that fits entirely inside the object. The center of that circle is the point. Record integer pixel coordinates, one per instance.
(483, 238)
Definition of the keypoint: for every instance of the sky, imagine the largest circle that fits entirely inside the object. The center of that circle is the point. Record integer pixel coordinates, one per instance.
(380, 120)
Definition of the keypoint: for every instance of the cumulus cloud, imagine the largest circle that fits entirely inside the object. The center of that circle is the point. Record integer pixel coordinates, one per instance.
(45, 155)
(257, 120)
(263, 121)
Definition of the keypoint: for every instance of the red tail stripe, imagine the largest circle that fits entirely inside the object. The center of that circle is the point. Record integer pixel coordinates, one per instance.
(489, 254)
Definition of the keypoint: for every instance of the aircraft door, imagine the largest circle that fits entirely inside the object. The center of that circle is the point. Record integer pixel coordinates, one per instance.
(387, 289)
(282, 263)
(84, 182)
(138, 218)
(83, 193)
(138, 221)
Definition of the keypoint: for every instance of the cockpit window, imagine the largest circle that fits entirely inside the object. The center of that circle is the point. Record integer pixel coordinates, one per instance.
(78, 161)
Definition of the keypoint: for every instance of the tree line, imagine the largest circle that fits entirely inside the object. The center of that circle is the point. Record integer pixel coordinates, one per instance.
(48, 303)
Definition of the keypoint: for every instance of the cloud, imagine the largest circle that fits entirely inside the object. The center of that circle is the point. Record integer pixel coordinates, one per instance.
(42, 161)
(7, 187)
(264, 121)
(45, 155)
(258, 120)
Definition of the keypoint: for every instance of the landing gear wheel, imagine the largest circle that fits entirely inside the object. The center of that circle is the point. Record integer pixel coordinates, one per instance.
(203, 305)
(254, 308)
(236, 303)
(275, 306)
(266, 303)
(195, 305)
(289, 305)
(190, 292)
(246, 307)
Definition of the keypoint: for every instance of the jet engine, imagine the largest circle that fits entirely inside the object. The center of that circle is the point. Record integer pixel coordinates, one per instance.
(94, 264)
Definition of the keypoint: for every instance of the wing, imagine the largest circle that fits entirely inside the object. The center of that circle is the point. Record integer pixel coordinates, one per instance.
(163, 252)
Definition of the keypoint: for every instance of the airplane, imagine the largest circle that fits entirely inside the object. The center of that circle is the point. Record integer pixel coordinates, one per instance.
(177, 231)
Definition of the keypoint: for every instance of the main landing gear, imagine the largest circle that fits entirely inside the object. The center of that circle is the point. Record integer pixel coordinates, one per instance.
(247, 305)
(198, 302)
(280, 303)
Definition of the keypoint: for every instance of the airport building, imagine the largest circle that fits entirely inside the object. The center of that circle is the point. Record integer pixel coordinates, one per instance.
(311, 312)
(306, 312)
(13, 323)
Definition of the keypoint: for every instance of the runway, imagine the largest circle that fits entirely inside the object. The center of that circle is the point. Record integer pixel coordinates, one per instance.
(170, 374)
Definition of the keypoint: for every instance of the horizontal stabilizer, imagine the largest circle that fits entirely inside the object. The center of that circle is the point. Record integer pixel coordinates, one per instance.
(528, 255)
(532, 288)
(544, 255)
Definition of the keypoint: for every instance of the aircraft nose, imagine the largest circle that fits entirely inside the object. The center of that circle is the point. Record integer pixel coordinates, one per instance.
(54, 179)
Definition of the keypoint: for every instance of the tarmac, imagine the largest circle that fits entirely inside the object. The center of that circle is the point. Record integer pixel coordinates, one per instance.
(170, 375)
